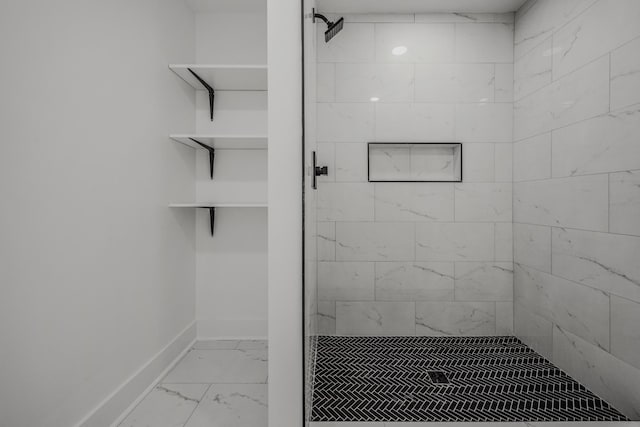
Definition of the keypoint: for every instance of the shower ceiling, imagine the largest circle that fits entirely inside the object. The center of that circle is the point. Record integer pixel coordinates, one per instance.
(419, 6)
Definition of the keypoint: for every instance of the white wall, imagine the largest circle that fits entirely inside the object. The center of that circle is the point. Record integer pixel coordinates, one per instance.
(231, 267)
(577, 191)
(285, 214)
(426, 258)
(97, 273)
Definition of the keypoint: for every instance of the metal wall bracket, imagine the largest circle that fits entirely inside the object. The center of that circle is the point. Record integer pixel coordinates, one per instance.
(212, 218)
(212, 92)
(212, 154)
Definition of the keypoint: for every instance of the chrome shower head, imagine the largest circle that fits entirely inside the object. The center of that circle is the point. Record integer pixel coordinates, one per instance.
(333, 28)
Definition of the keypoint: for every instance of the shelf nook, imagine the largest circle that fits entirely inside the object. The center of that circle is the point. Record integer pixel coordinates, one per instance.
(414, 162)
(222, 78)
(213, 206)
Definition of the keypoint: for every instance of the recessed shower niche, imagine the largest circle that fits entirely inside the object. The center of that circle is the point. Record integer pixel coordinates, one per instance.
(414, 162)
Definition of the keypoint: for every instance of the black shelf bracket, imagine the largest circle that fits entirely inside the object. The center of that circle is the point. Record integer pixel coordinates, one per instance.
(212, 218)
(212, 154)
(212, 92)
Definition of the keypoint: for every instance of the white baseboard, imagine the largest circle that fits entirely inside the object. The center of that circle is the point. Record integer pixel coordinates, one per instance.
(119, 403)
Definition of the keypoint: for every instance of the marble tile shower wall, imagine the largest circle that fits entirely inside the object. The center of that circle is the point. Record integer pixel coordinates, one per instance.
(577, 190)
(416, 258)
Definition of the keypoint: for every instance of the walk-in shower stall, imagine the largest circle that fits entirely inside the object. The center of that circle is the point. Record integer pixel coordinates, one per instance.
(472, 210)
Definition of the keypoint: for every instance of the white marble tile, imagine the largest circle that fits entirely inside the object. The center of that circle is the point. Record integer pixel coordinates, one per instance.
(220, 366)
(608, 377)
(455, 318)
(346, 281)
(577, 202)
(579, 96)
(375, 318)
(435, 163)
(469, 18)
(484, 43)
(326, 82)
(345, 202)
(355, 43)
(377, 17)
(533, 330)
(484, 281)
(326, 317)
(351, 162)
(532, 246)
(533, 70)
(607, 143)
(347, 122)
(425, 43)
(624, 203)
(413, 202)
(504, 162)
(625, 337)
(604, 261)
(604, 27)
(504, 318)
(386, 82)
(539, 21)
(390, 163)
(414, 122)
(532, 158)
(478, 162)
(576, 308)
(504, 241)
(388, 241)
(326, 154)
(453, 83)
(232, 405)
(625, 75)
(414, 281)
(253, 345)
(167, 405)
(216, 345)
(326, 241)
(504, 83)
(484, 122)
(454, 241)
(483, 202)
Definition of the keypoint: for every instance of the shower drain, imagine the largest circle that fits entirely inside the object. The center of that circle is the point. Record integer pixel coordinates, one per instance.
(438, 377)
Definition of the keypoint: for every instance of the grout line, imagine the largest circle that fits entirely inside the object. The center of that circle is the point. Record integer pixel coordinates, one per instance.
(609, 81)
(609, 203)
(577, 229)
(196, 407)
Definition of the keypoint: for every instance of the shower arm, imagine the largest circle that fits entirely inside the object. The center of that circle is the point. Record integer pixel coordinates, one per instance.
(322, 17)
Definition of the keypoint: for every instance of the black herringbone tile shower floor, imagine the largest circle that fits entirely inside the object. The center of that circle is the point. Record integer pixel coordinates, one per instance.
(495, 379)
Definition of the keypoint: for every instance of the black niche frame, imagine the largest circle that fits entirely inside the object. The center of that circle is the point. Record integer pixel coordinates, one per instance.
(369, 144)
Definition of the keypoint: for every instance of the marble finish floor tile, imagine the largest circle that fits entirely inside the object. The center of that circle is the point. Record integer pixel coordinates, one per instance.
(220, 366)
(216, 345)
(232, 405)
(167, 405)
(219, 383)
(445, 379)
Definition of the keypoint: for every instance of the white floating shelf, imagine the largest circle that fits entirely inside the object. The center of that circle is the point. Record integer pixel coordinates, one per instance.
(212, 206)
(224, 76)
(224, 142)
(218, 205)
